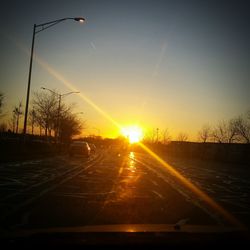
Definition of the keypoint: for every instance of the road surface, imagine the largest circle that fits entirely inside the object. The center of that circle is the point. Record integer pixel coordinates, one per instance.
(111, 187)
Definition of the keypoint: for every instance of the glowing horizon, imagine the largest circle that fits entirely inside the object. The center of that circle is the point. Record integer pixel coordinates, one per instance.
(181, 120)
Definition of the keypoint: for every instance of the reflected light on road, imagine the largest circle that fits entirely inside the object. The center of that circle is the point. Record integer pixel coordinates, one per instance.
(132, 167)
(202, 195)
(125, 189)
(132, 155)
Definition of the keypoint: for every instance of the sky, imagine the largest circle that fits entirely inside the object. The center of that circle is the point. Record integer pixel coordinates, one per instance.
(158, 64)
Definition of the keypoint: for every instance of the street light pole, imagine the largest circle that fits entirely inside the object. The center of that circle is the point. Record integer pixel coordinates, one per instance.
(29, 79)
(41, 27)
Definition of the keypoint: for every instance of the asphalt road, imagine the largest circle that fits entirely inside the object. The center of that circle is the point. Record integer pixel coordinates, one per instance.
(111, 187)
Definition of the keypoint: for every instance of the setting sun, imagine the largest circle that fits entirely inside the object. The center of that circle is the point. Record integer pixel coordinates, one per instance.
(133, 133)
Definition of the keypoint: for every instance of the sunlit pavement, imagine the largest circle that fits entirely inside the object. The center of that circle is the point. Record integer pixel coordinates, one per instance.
(227, 183)
(112, 187)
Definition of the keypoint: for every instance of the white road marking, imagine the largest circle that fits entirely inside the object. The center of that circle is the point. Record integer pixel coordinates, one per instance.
(158, 195)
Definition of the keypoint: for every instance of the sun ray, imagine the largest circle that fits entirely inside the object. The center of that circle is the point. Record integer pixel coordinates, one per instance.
(214, 205)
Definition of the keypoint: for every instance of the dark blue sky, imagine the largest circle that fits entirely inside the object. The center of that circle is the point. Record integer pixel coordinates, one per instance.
(187, 60)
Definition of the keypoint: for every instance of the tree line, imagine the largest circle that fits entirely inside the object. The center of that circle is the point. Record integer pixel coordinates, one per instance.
(46, 117)
(231, 131)
(235, 130)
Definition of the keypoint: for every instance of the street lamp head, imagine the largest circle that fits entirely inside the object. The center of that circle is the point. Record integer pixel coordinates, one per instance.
(79, 19)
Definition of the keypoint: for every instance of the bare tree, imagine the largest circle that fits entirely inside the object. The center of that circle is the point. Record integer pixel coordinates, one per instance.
(150, 136)
(1, 104)
(165, 136)
(248, 114)
(47, 115)
(232, 134)
(12, 122)
(157, 136)
(46, 107)
(1, 100)
(32, 119)
(219, 132)
(17, 112)
(243, 128)
(70, 125)
(225, 132)
(204, 133)
(3, 127)
(182, 137)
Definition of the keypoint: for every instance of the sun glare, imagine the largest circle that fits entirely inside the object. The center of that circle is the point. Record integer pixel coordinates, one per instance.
(132, 133)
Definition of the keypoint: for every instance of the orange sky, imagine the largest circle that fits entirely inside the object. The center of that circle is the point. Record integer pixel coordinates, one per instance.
(156, 64)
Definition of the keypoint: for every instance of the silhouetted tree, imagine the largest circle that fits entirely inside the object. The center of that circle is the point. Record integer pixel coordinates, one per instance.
(45, 107)
(3, 127)
(12, 122)
(151, 136)
(32, 119)
(204, 133)
(232, 134)
(17, 112)
(70, 125)
(243, 128)
(225, 132)
(157, 136)
(47, 115)
(165, 137)
(1, 103)
(182, 137)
